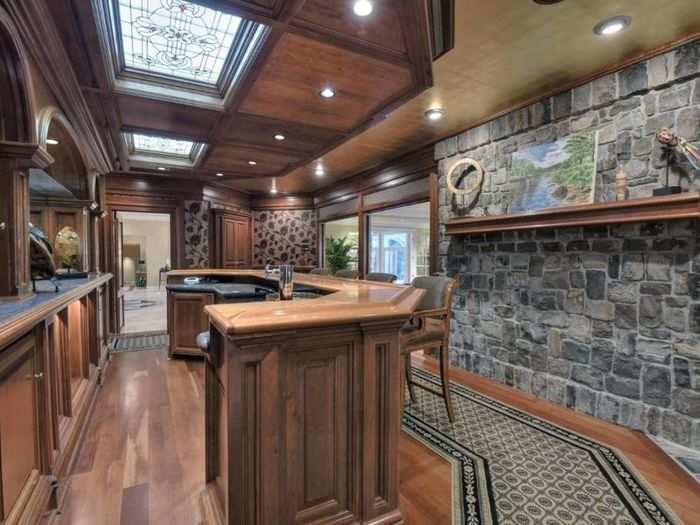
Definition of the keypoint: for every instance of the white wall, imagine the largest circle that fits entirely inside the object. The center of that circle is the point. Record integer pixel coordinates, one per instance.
(154, 238)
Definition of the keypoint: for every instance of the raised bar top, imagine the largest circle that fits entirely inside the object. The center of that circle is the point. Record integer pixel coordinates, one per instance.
(350, 301)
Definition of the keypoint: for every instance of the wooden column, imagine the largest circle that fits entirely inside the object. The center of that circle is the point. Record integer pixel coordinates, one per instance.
(15, 161)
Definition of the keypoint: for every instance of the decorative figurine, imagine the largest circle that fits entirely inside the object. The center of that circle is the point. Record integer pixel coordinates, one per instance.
(670, 144)
(42, 264)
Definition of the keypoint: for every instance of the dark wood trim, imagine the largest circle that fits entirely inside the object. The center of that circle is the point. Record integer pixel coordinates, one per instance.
(442, 26)
(683, 206)
(287, 202)
(434, 223)
(413, 166)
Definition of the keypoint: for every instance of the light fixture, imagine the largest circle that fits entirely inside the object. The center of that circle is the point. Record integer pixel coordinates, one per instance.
(273, 189)
(362, 8)
(327, 92)
(612, 26)
(161, 168)
(219, 174)
(53, 142)
(252, 163)
(279, 136)
(319, 171)
(434, 114)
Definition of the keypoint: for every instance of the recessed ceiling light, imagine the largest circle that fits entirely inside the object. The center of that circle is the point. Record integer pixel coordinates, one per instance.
(53, 142)
(219, 174)
(327, 93)
(611, 26)
(362, 8)
(319, 171)
(279, 136)
(434, 114)
(252, 163)
(161, 168)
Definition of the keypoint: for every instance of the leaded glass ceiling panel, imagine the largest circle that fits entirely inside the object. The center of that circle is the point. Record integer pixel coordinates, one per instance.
(151, 144)
(176, 38)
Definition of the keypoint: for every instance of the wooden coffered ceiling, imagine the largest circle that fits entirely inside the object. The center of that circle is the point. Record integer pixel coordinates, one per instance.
(506, 53)
(374, 64)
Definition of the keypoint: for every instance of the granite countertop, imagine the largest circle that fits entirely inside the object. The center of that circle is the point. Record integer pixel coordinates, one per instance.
(224, 290)
(16, 315)
(347, 301)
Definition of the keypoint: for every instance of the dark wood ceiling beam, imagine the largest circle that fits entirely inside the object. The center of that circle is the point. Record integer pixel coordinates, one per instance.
(414, 16)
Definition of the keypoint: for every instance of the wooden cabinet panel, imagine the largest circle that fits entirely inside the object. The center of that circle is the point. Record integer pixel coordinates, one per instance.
(317, 447)
(18, 425)
(230, 240)
(186, 319)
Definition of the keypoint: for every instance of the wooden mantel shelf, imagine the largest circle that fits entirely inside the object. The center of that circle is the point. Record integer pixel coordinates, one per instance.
(681, 206)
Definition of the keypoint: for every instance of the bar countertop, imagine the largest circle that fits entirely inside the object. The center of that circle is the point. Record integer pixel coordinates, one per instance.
(350, 301)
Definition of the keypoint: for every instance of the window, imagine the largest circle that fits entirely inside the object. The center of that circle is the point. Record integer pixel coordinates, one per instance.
(399, 241)
(342, 229)
(171, 42)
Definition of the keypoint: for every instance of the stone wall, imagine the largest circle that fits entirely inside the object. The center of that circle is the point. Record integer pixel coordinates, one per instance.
(604, 320)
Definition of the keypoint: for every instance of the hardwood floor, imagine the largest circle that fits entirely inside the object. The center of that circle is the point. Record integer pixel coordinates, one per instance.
(142, 461)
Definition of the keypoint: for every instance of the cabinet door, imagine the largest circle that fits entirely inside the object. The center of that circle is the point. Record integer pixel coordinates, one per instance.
(187, 320)
(18, 425)
(236, 245)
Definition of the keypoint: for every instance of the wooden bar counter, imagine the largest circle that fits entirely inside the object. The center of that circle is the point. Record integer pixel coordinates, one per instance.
(303, 405)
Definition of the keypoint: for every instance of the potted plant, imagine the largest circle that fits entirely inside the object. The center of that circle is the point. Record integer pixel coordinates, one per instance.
(338, 254)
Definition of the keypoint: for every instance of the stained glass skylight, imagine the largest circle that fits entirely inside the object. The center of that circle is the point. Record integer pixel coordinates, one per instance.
(166, 146)
(176, 38)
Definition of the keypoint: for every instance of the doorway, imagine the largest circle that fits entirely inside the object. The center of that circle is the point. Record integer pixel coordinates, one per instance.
(145, 259)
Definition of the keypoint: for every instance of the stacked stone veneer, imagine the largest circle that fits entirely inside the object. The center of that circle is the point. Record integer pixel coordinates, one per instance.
(605, 320)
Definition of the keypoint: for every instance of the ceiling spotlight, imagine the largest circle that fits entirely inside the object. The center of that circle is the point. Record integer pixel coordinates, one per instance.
(53, 142)
(273, 189)
(611, 26)
(327, 93)
(319, 171)
(434, 114)
(219, 174)
(362, 7)
(252, 163)
(279, 136)
(161, 168)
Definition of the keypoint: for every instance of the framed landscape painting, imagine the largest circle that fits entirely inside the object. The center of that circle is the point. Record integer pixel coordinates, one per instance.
(557, 174)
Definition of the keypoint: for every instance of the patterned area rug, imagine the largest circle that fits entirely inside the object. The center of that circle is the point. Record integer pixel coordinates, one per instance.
(132, 343)
(511, 468)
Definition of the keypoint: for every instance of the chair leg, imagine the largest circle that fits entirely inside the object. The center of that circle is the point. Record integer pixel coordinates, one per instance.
(409, 376)
(445, 378)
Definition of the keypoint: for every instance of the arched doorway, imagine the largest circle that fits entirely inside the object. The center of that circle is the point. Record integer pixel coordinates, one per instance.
(17, 149)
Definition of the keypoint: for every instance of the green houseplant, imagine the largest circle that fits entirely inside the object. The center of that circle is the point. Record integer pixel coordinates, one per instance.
(338, 254)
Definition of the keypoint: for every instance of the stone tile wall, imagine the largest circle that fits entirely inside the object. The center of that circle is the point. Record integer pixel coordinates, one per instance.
(605, 320)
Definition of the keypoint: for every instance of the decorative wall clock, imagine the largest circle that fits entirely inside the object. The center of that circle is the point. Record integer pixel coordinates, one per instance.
(472, 166)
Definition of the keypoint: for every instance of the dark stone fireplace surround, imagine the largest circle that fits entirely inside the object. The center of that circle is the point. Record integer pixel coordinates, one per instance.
(604, 320)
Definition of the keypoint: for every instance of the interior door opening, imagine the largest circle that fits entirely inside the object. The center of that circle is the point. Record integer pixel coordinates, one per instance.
(145, 257)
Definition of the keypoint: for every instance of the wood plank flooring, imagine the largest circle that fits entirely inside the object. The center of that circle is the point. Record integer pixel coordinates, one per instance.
(142, 460)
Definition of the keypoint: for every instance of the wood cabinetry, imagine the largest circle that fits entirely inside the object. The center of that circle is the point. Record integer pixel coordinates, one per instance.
(52, 357)
(303, 426)
(186, 319)
(18, 421)
(230, 240)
